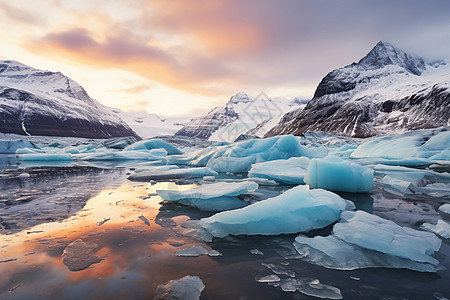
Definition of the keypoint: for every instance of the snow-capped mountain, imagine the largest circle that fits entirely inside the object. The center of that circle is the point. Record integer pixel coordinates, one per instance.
(388, 91)
(36, 102)
(150, 125)
(241, 115)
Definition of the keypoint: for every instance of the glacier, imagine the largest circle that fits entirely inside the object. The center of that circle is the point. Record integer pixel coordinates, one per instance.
(278, 215)
(336, 174)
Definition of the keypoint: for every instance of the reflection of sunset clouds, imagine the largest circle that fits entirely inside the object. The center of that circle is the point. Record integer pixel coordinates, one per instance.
(127, 246)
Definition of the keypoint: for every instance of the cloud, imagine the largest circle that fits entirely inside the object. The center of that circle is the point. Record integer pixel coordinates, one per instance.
(21, 15)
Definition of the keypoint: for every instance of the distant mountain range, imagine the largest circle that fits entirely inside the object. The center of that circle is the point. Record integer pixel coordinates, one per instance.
(241, 115)
(36, 102)
(388, 91)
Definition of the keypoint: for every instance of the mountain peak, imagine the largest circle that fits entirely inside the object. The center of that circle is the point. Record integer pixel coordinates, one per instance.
(384, 53)
(240, 97)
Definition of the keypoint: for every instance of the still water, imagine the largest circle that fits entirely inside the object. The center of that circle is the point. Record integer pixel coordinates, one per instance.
(137, 238)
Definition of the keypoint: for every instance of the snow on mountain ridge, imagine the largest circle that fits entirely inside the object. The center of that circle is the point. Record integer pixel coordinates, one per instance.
(388, 91)
(240, 115)
(41, 102)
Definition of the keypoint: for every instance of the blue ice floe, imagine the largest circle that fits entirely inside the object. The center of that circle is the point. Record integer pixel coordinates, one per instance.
(218, 196)
(297, 210)
(414, 147)
(445, 208)
(442, 228)
(212, 190)
(10, 147)
(290, 171)
(362, 240)
(336, 174)
(154, 144)
(45, 157)
(238, 157)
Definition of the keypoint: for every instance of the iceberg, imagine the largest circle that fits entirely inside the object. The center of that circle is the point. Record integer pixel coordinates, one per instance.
(186, 288)
(421, 144)
(445, 208)
(442, 228)
(173, 174)
(238, 157)
(297, 210)
(10, 147)
(154, 144)
(290, 171)
(211, 197)
(212, 190)
(336, 174)
(375, 233)
(333, 253)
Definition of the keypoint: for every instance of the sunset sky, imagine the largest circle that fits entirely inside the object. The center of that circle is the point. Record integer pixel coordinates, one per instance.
(185, 57)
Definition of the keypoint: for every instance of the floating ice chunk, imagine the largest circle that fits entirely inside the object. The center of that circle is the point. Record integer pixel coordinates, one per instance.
(296, 210)
(79, 255)
(121, 155)
(261, 181)
(45, 157)
(279, 270)
(212, 190)
(156, 168)
(29, 151)
(24, 175)
(375, 233)
(445, 208)
(267, 278)
(80, 149)
(154, 144)
(10, 147)
(256, 252)
(310, 287)
(238, 157)
(333, 253)
(197, 251)
(439, 189)
(290, 171)
(396, 186)
(186, 288)
(231, 164)
(337, 174)
(442, 228)
(173, 174)
(120, 142)
(414, 144)
(209, 178)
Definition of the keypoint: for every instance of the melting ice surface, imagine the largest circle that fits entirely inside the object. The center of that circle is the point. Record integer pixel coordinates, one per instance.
(101, 234)
(297, 210)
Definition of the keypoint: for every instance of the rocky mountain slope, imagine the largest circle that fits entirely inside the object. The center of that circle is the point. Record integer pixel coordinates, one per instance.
(386, 92)
(36, 102)
(240, 115)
